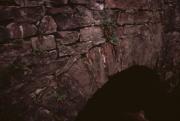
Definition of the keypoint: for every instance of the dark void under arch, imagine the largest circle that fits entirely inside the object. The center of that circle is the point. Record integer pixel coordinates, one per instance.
(134, 89)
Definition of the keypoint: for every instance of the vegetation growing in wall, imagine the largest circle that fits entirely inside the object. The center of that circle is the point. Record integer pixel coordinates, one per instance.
(109, 26)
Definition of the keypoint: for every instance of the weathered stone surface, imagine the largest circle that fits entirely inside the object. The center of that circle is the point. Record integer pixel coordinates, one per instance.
(83, 48)
(7, 2)
(58, 76)
(171, 17)
(93, 4)
(21, 30)
(29, 14)
(92, 34)
(131, 4)
(12, 51)
(7, 14)
(43, 43)
(67, 21)
(139, 17)
(80, 17)
(172, 44)
(30, 3)
(96, 66)
(146, 41)
(132, 30)
(177, 19)
(58, 2)
(65, 50)
(27, 3)
(14, 13)
(47, 25)
(79, 73)
(109, 56)
(80, 1)
(68, 37)
(4, 35)
(59, 10)
(15, 31)
(98, 6)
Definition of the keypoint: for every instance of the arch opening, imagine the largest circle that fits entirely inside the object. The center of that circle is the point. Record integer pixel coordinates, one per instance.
(135, 94)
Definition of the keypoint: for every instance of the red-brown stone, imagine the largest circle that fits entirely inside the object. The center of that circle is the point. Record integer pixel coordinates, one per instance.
(21, 30)
(43, 43)
(127, 4)
(47, 25)
(68, 37)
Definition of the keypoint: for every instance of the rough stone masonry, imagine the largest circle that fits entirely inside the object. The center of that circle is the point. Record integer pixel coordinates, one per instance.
(54, 54)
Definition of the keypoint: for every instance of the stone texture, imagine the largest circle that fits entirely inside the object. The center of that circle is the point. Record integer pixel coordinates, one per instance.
(58, 2)
(12, 51)
(30, 3)
(109, 56)
(79, 73)
(80, 1)
(130, 4)
(7, 2)
(43, 43)
(47, 25)
(65, 51)
(80, 17)
(7, 14)
(58, 67)
(144, 40)
(96, 66)
(139, 17)
(177, 18)
(92, 34)
(29, 14)
(4, 35)
(93, 4)
(27, 3)
(68, 37)
(173, 47)
(83, 48)
(21, 30)
(59, 10)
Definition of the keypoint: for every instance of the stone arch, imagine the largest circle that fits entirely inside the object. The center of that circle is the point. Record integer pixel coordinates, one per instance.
(134, 94)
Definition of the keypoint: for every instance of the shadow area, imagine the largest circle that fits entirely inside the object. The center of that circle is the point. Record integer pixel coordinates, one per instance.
(136, 89)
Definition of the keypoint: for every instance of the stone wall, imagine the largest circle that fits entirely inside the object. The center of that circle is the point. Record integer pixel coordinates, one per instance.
(57, 53)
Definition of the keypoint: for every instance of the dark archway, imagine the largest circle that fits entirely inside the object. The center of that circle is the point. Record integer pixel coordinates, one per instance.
(135, 89)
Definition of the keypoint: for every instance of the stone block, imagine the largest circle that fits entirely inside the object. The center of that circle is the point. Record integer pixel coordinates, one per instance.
(21, 30)
(80, 17)
(47, 25)
(65, 50)
(139, 17)
(43, 43)
(29, 14)
(4, 35)
(92, 34)
(68, 37)
(127, 4)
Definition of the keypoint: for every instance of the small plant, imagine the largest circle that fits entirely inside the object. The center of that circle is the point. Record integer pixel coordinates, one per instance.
(114, 39)
(60, 94)
(109, 26)
(37, 52)
(61, 97)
